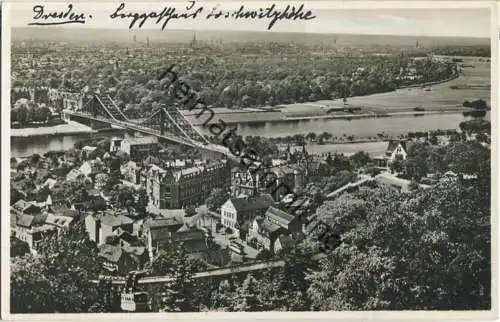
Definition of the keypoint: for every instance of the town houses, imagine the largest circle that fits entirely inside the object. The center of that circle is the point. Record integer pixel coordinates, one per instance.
(136, 198)
(181, 187)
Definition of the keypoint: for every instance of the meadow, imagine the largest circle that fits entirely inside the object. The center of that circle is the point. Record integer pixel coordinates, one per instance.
(472, 84)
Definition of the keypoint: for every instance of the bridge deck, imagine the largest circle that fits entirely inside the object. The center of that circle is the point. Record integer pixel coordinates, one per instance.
(143, 129)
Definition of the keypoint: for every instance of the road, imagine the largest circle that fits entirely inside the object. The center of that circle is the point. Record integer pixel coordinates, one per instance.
(115, 280)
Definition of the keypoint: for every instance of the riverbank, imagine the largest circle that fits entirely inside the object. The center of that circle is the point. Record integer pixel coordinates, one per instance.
(62, 129)
(440, 97)
(272, 116)
(374, 149)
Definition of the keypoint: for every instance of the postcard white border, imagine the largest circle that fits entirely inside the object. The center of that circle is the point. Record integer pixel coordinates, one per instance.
(354, 315)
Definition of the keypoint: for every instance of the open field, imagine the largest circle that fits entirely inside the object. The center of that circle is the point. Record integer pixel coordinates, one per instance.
(474, 83)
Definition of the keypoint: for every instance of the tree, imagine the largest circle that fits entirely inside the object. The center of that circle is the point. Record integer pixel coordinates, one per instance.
(124, 197)
(179, 294)
(245, 298)
(222, 298)
(338, 180)
(397, 165)
(59, 278)
(18, 247)
(113, 181)
(216, 198)
(416, 168)
(360, 159)
(371, 268)
(142, 202)
(433, 139)
(311, 136)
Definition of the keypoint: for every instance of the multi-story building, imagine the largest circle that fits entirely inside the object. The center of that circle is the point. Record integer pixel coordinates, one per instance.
(235, 212)
(31, 229)
(139, 147)
(102, 226)
(243, 182)
(265, 230)
(158, 233)
(179, 188)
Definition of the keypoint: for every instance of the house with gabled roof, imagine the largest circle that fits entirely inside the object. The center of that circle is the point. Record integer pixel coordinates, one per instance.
(73, 174)
(115, 259)
(31, 229)
(139, 147)
(192, 240)
(265, 230)
(236, 211)
(103, 225)
(25, 208)
(60, 222)
(158, 232)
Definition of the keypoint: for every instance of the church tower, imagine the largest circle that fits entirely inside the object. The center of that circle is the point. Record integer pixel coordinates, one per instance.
(193, 41)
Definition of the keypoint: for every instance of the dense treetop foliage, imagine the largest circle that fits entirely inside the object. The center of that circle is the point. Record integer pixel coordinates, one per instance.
(243, 75)
(58, 278)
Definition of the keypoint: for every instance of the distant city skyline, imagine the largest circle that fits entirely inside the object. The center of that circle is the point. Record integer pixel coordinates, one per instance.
(421, 22)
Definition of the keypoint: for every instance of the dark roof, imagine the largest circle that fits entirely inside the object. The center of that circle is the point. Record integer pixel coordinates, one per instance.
(110, 252)
(186, 235)
(22, 206)
(163, 222)
(282, 218)
(243, 204)
(129, 238)
(63, 210)
(39, 219)
(285, 240)
(192, 240)
(269, 227)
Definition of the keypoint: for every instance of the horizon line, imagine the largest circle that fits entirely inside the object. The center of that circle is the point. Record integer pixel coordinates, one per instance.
(258, 31)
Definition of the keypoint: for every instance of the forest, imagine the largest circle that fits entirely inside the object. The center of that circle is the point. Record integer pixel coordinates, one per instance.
(239, 76)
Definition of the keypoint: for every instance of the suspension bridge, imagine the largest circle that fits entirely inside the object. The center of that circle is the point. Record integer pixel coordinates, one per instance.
(166, 123)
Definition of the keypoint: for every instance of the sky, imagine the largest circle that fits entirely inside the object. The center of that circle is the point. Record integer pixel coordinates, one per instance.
(348, 17)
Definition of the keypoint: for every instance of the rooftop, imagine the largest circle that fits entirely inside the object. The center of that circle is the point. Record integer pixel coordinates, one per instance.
(115, 221)
(281, 217)
(110, 252)
(59, 221)
(162, 222)
(269, 227)
(22, 206)
(261, 201)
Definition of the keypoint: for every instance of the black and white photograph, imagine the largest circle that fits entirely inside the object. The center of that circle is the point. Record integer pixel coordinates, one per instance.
(216, 157)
